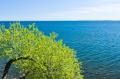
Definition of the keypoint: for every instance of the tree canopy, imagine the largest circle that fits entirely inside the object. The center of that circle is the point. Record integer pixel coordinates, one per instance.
(37, 55)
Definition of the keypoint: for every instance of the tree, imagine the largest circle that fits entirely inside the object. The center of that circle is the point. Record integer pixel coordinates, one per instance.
(36, 55)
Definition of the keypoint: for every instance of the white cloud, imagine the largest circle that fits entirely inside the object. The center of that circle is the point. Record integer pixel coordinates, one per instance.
(98, 12)
(90, 10)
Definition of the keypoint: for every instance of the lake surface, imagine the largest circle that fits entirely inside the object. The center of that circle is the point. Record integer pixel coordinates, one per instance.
(97, 44)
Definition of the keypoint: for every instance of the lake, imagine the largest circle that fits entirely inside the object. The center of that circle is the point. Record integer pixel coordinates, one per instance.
(97, 44)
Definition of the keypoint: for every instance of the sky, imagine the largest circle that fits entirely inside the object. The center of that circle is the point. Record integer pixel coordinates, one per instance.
(59, 10)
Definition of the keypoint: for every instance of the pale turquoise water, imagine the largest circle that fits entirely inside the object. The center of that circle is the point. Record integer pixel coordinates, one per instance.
(97, 44)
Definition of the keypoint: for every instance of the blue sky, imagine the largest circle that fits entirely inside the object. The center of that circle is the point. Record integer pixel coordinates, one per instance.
(59, 9)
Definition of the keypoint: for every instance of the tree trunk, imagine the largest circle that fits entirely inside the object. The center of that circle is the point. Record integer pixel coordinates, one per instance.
(9, 63)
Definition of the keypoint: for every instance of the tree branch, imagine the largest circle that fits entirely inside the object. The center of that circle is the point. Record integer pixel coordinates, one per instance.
(9, 63)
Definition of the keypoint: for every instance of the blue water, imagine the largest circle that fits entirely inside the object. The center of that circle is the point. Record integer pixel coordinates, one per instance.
(97, 44)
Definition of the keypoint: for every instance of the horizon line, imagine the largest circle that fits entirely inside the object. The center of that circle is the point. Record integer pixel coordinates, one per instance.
(59, 20)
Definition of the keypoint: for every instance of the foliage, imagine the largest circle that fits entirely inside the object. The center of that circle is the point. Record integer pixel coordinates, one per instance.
(52, 59)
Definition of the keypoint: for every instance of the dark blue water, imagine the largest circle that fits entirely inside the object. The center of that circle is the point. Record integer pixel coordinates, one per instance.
(97, 44)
